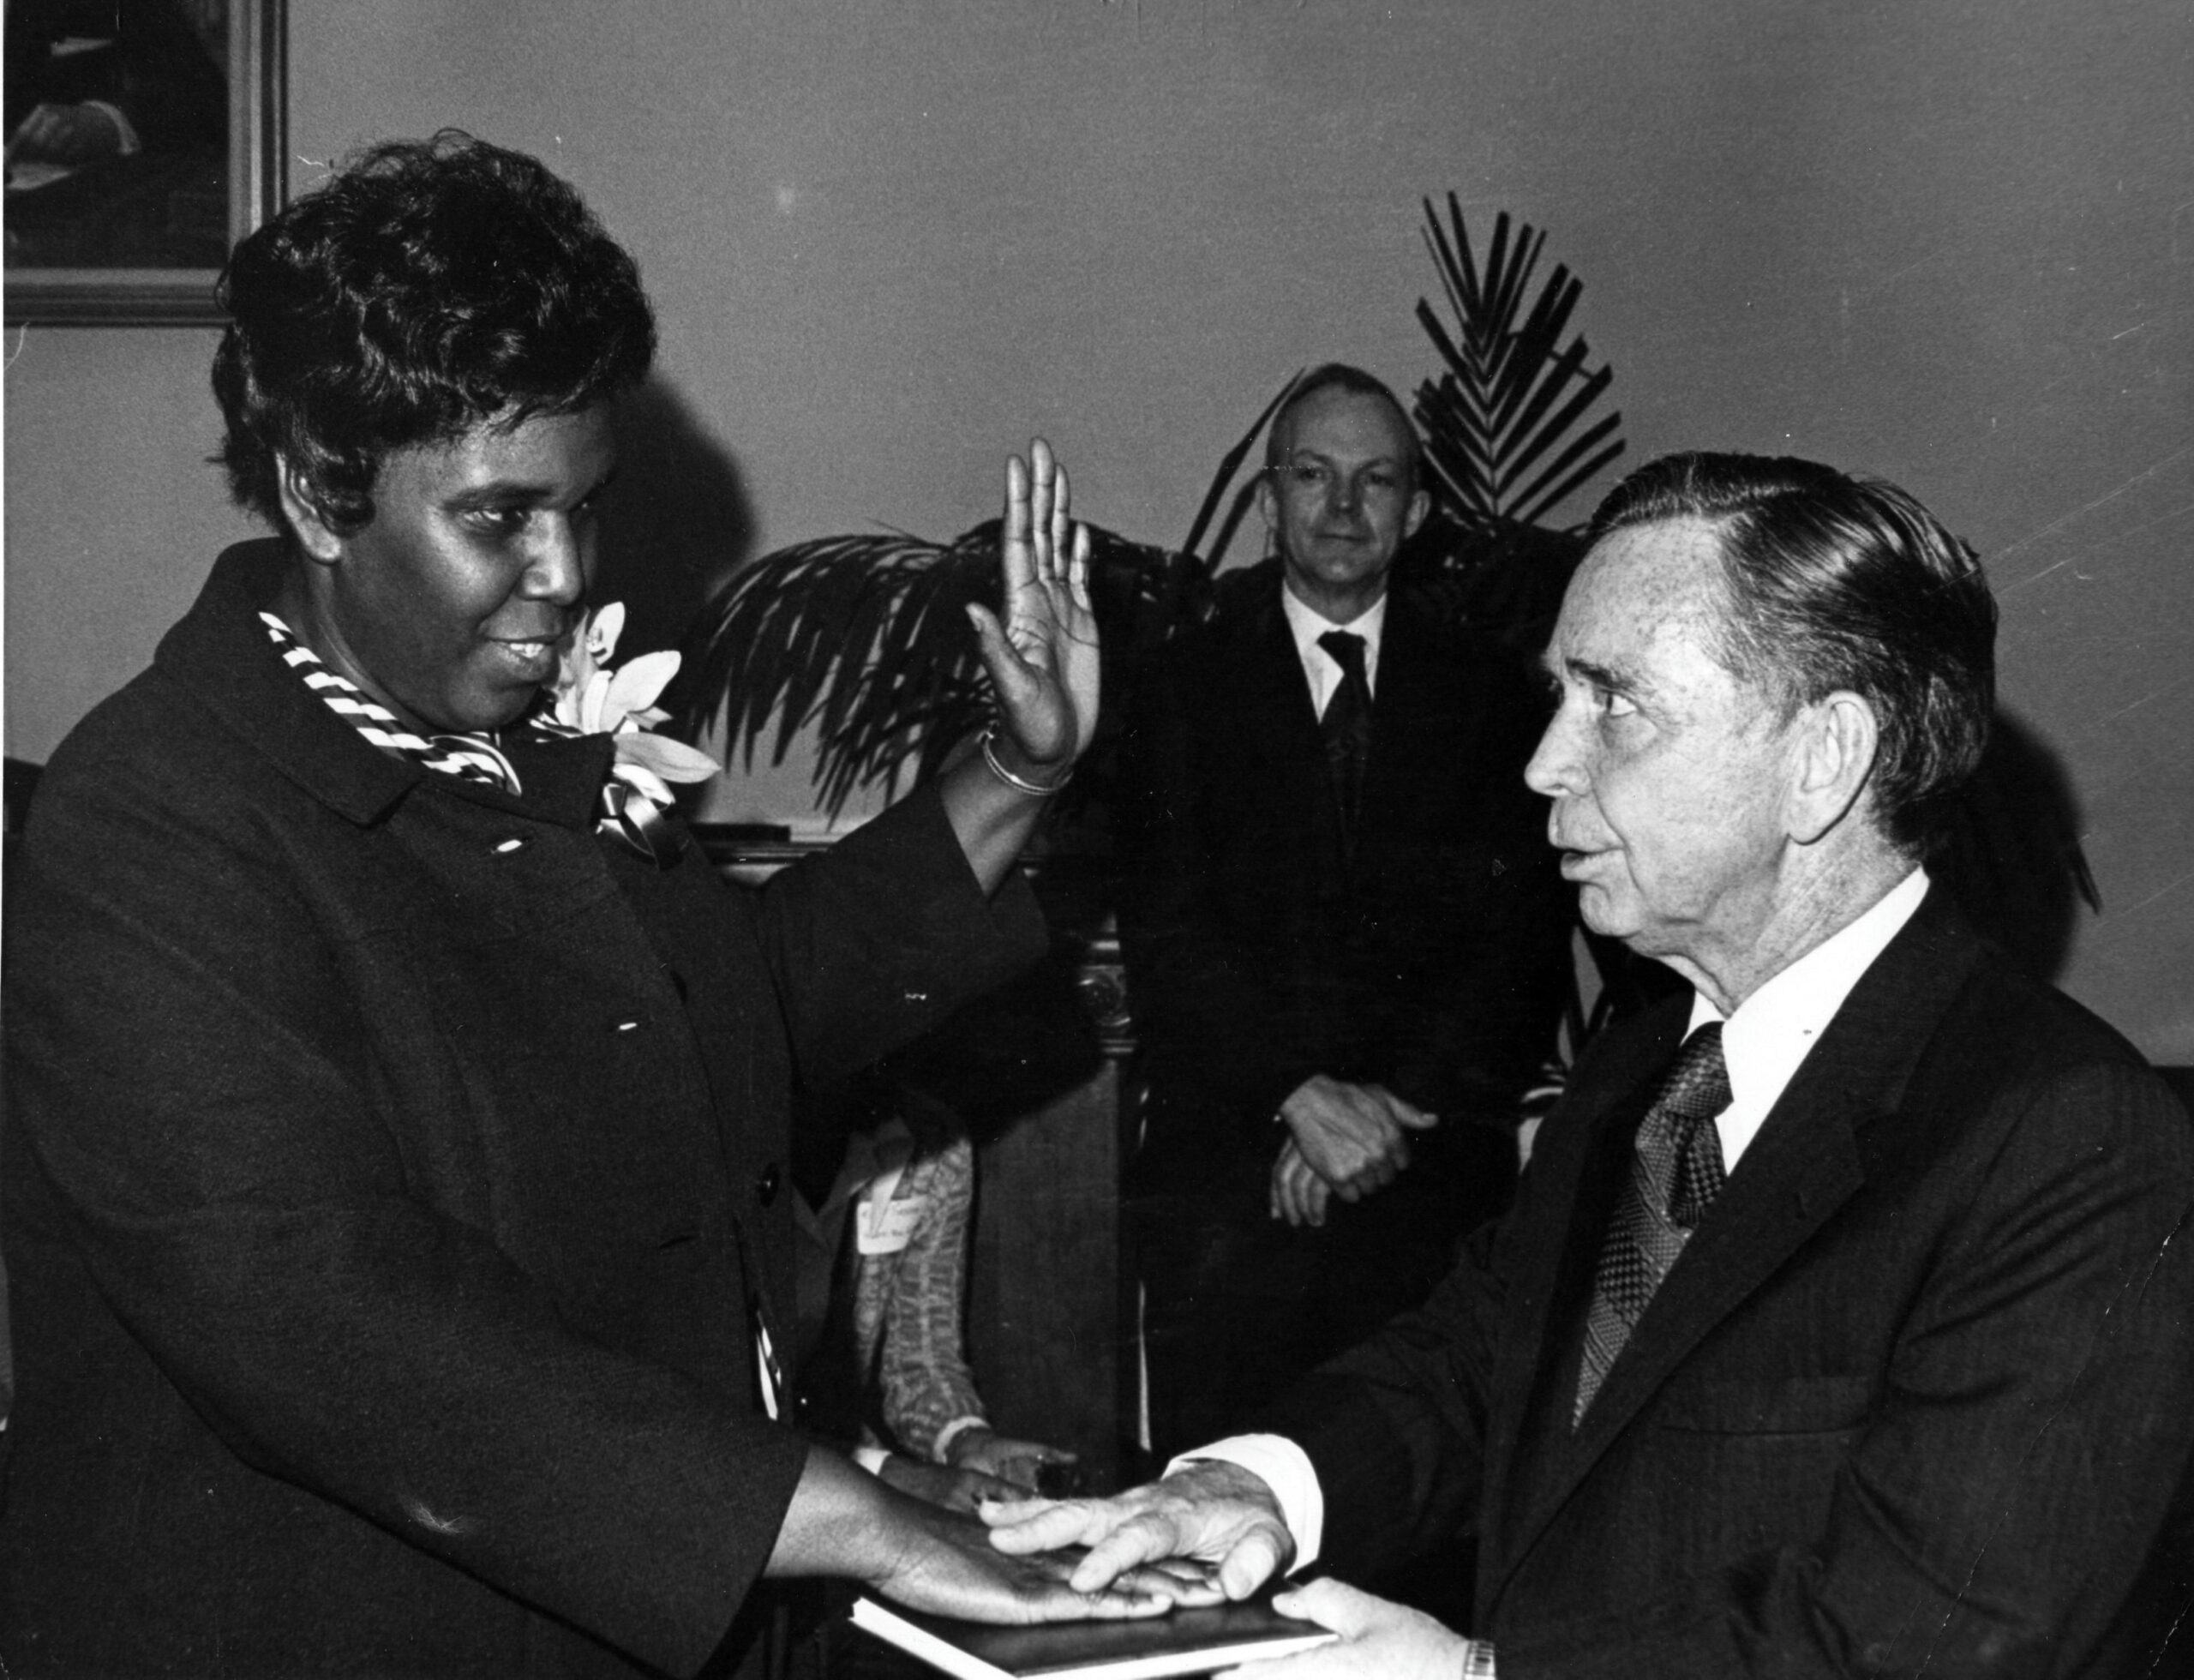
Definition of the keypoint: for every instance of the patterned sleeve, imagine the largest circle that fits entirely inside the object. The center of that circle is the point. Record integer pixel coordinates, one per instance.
(926, 1381)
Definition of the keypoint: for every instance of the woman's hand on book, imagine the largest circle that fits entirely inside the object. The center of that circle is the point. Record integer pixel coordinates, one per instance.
(843, 1522)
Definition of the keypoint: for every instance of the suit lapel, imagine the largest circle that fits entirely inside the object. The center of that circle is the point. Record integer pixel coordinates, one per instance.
(1582, 1153)
(1284, 726)
(1810, 1157)
(1404, 713)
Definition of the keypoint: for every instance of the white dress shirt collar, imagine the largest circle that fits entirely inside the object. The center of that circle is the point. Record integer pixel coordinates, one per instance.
(1320, 667)
(1767, 1038)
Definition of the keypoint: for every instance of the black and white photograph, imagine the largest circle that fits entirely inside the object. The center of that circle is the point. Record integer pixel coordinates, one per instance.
(1103, 839)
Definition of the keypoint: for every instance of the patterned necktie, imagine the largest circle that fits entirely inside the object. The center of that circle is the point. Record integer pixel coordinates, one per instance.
(1346, 725)
(1675, 1176)
(469, 758)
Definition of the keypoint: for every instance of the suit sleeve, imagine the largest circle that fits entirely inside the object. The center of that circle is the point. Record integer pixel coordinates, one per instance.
(880, 938)
(1395, 1428)
(1203, 999)
(926, 1381)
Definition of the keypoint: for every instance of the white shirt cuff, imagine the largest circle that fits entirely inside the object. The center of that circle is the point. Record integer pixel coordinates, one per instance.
(870, 1458)
(1285, 1468)
(952, 1431)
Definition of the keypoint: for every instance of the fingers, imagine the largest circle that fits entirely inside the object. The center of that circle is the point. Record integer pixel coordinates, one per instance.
(1016, 546)
(1146, 1539)
(1110, 1607)
(1061, 534)
(982, 1488)
(1298, 1194)
(998, 654)
(1049, 529)
(1024, 1526)
(1316, 1193)
(1187, 1586)
(1402, 1113)
(1077, 571)
(1329, 1603)
(1249, 1564)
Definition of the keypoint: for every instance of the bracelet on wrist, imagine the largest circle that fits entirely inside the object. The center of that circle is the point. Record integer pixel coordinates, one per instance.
(1018, 783)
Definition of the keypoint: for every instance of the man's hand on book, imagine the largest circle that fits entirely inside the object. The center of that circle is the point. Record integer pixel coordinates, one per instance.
(949, 1568)
(1212, 1514)
(1379, 1640)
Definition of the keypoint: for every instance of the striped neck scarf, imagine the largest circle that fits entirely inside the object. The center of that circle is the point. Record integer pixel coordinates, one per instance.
(470, 757)
(625, 812)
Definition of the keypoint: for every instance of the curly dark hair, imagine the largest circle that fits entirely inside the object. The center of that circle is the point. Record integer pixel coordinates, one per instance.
(424, 288)
(1836, 582)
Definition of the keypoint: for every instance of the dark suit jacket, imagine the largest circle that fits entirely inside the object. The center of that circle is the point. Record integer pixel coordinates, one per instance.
(1433, 958)
(390, 1165)
(1914, 1401)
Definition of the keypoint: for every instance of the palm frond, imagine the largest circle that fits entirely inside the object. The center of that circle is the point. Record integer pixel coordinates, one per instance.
(1229, 465)
(1501, 423)
(864, 641)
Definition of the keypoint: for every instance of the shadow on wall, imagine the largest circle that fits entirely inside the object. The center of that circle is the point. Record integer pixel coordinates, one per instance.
(677, 525)
(2013, 859)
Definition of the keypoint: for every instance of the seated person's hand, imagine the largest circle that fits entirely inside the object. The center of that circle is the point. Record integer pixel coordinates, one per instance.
(1355, 1137)
(1215, 1515)
(964, 1491)
(1379, 1640)
(1000, 1457)
(1299, 1195)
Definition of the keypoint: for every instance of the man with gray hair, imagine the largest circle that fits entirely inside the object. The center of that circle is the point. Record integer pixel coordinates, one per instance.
(1845, 1322)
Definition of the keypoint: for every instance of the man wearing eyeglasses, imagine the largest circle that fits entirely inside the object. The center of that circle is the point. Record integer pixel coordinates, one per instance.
(1346, 946)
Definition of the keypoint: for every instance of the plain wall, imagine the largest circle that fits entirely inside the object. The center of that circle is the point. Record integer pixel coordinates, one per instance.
(1948, 241)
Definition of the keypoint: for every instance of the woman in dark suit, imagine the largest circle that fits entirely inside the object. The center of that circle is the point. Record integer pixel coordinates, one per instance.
(395, 1183)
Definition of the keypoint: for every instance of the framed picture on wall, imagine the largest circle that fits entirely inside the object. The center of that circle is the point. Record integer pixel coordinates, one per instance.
(144, 137)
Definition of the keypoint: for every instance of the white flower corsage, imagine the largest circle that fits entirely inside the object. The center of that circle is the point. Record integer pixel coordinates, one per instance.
(588, 698)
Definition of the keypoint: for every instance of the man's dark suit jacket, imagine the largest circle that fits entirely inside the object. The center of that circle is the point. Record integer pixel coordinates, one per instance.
(1432, 956)
(1914, 1401)
(391, 1164)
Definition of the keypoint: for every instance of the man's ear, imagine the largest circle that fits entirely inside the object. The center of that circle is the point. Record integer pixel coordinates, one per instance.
(1837, 739)
(1420, 504)
(1267, 503)
(301, 507)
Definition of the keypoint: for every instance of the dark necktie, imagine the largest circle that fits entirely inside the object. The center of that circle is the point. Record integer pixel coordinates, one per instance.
(1675, 1173)
(1346, 725)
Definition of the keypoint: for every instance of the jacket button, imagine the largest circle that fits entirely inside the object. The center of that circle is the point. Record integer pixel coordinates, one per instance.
(765, 1186)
